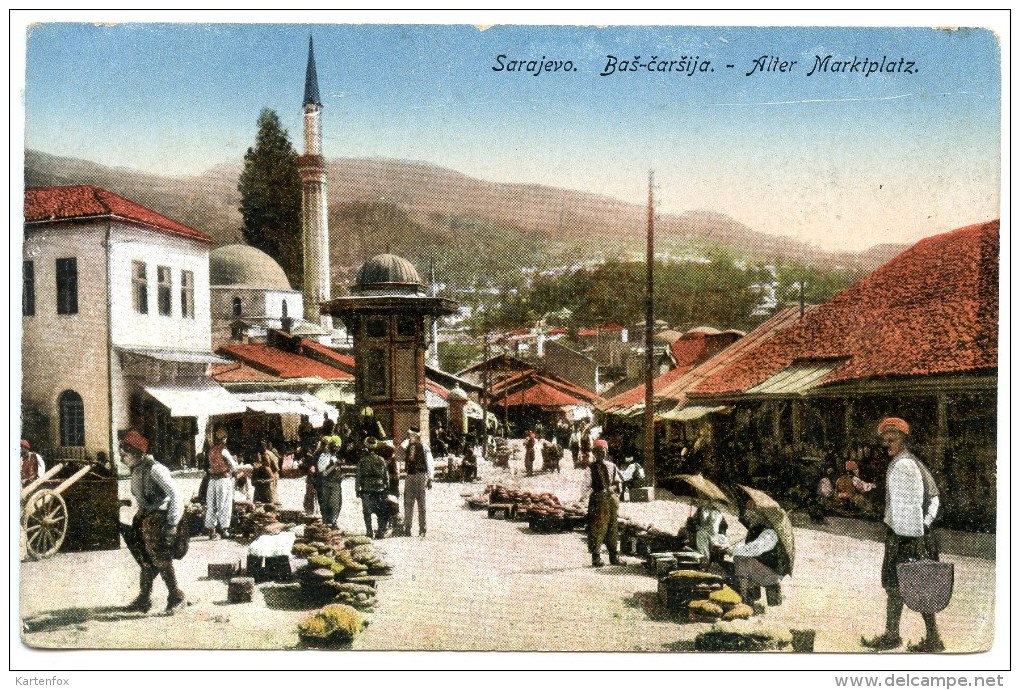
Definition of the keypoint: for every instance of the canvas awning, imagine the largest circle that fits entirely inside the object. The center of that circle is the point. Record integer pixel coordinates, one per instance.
(577, 412)
(196, 400)
(687, 413)
(795, 379)
(165, 354)
(335, 393)
(273, 402)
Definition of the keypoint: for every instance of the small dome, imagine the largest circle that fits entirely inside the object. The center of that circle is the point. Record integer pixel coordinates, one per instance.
(387, 271)
(239, 264)
(458, 393)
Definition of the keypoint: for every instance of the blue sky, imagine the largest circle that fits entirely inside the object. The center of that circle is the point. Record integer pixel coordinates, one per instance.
(841, 160)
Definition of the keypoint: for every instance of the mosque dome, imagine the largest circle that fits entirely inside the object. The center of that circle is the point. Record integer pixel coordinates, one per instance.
(244, 266)
(388, 272)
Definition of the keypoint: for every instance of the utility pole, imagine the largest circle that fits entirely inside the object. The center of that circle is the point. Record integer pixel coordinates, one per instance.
(649, 334)
(485, 387)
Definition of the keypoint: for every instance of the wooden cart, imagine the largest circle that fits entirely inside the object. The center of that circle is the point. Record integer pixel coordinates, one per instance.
(46, 518)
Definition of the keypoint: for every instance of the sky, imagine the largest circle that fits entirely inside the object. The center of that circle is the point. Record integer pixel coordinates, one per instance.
(840, 160)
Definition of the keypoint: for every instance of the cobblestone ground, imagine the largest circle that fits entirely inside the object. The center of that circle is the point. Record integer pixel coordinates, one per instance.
(475, 583)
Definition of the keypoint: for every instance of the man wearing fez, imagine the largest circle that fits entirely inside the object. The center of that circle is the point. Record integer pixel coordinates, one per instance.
(911, 504)
(602, 486)
(219, 504)
(419, 471)
(154, 528)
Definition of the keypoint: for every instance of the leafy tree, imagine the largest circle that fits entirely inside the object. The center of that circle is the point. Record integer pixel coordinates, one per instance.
(270, 188)
(819, 284)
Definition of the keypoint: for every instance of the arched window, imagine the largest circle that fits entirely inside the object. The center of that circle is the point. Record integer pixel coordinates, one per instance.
(283, 309)
(72, 419)
(237, 306)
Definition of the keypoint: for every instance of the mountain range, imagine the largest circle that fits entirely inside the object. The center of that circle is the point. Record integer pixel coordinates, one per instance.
(472, 230)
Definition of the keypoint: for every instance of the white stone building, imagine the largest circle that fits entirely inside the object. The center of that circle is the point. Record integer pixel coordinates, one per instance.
(116, 327)
(249, 294)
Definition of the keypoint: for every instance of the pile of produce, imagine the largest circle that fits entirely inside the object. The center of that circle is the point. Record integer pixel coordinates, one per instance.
(723, 604)
(341, 568)
(253, 520)
(335, 625)
(544, 511)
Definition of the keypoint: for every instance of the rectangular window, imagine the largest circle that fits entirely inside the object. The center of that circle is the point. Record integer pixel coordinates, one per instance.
(377, 327)
(164, 290)
(406, 326)
(188, 294)
(377, 375)
(140, 287)
(67, 286)
(28, 289)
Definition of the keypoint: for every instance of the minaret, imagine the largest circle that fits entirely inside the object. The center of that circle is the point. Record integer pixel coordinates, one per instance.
(314, 216)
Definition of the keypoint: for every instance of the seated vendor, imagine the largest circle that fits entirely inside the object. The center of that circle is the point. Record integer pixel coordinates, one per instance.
(706, 529)
(633, 477)
(850, 490)
(469, 465)
(760, 560)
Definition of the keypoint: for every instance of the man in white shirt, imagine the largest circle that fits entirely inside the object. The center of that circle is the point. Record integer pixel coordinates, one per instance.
(911, 505)
(759, 560)
(219, 502)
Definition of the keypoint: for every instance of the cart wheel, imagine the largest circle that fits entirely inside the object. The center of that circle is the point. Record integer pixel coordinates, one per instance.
(45, 522)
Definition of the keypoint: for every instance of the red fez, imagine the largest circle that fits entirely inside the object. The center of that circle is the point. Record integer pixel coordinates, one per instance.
(26, 445)
(851, 465)
(893, 424)
(134, 440)
(601, 443)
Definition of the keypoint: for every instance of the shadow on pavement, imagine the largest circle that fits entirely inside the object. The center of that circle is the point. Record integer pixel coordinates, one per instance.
(680, 646)
(650, 604)
(48, 621)
(287, 598)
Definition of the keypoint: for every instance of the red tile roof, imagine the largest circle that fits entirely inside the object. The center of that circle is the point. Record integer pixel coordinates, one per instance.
(345, 362)
(934, 309)
(237, 371)
(286, 365)
(636, 394)
(44, 204)
(541, 389)
(437, 389)
(693, 348)
(674, 384)
(540, 394)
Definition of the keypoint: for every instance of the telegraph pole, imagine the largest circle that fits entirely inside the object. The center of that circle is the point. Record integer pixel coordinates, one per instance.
(649, 334)
(485, 388)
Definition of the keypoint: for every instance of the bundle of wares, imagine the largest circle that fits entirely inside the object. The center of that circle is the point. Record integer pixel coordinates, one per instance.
(251, 520)
(642, 540)
(702, 597)
(340, 568)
